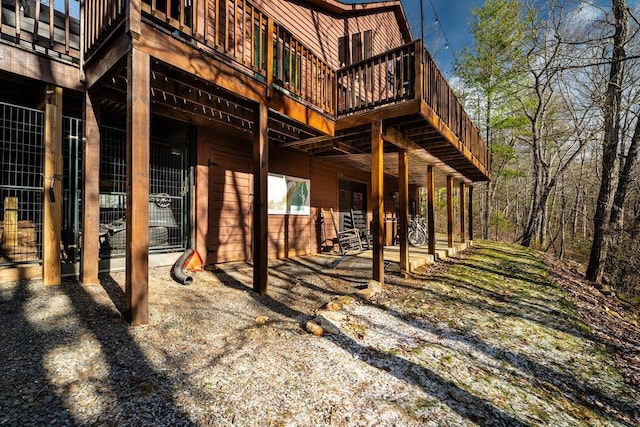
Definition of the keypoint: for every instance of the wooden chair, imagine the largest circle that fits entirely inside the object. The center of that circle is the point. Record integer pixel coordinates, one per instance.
(348, 240)
(359, 220)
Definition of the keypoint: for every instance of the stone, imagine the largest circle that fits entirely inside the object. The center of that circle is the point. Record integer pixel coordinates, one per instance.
(365, 293)
(334, 305)
(374, 285)
(261, 320)
(313, 328)
(345, 299)
(330, 321)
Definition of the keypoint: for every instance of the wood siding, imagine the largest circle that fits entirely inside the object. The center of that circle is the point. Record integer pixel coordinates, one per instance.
(224, 202)
(320, 32)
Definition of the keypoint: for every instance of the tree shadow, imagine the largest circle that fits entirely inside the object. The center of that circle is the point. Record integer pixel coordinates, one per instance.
(26, 394)
(127, 389)
(460, 401)
(551, 378)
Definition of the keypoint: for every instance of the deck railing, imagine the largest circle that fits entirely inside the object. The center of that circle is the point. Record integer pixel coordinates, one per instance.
(302, 74)
(101, 17)
(37, 24)
(404, 74)
(236, 29)
(384, 79)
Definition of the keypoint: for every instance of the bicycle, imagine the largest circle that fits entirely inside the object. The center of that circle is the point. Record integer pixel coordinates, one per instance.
(417, 231)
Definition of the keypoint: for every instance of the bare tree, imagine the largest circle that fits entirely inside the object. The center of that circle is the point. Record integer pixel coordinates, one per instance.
(610, 144)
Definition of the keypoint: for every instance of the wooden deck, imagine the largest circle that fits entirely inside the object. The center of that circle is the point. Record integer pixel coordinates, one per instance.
(405, 90)
(418, 257)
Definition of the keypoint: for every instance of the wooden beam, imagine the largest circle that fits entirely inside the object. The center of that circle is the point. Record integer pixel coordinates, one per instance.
(462, 212)
(260, 191)
(134, 18)
(39, 67)
(382, 113)
(431, 209)
(104, 62)
(52, 200)
(471, 213)
(208, 66)
(449, 211)
(137, 219)
(403, 218)
(377, 196)
(90, 192)
(396, 138)
(430, 115)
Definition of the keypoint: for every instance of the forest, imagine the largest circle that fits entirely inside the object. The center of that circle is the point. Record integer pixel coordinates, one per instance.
(554, 86)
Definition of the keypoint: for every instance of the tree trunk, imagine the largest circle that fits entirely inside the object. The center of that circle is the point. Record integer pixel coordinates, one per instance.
(601, 229)
(624, 179)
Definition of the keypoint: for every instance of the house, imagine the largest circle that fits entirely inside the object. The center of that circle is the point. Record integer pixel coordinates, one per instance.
(133, 130)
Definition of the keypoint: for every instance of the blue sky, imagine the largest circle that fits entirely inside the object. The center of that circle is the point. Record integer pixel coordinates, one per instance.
(447, 22)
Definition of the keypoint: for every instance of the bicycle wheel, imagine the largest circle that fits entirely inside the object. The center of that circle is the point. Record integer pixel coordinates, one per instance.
(415, 238)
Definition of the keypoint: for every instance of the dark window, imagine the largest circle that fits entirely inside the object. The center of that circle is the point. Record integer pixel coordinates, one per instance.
(356, 47)
(344, 56)
(368, 44)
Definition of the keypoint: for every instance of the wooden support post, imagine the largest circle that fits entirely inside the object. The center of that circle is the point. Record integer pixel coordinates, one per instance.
(260, 216)
(449, 211)
(403, 219)
(431, 210)
(471, 213)
(462, 213)
(52, 219)
(134, 18)
(377, 195)
(90, 193)
(10, 218)
(138, 142)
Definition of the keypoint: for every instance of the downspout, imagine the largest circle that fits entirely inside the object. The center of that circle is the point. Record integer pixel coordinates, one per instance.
(177, 271)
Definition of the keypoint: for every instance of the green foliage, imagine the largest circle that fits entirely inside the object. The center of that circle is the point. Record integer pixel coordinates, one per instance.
(511, 173)
(498, 30)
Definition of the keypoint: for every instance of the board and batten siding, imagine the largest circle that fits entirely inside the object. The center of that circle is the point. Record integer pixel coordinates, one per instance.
(320, 31)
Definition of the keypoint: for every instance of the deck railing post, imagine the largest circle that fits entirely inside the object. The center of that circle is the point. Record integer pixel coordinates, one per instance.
(270, 57)
(419, 71)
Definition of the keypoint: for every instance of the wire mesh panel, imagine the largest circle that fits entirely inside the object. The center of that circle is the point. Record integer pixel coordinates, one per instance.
(71, 189)
(21, 169)
(168, 193)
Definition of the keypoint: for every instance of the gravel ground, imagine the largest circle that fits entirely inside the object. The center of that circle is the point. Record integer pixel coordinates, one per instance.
(215, 353)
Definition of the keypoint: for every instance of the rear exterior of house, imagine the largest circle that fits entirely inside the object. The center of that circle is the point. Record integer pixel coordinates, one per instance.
(246, 130)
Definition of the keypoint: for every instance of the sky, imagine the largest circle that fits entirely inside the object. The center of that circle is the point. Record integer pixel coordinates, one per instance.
(447, 25)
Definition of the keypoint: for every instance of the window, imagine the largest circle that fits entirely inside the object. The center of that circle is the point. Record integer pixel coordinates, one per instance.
(361, 48)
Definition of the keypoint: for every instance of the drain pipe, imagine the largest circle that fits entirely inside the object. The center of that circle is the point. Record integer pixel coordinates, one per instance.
(177, 272)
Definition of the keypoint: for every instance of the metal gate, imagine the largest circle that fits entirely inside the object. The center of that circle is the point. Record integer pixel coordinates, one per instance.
(21, 185)
(168, 195)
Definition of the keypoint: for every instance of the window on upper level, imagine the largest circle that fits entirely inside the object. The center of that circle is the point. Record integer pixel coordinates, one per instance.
(355, 48)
